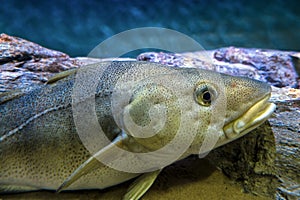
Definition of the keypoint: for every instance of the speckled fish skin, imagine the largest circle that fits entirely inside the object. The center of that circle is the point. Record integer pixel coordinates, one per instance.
(44, 148)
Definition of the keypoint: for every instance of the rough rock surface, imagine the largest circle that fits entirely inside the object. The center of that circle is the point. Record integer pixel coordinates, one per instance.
(262, 163)
(272, 66)
(24, 64)
(250, 160)
(286, 128)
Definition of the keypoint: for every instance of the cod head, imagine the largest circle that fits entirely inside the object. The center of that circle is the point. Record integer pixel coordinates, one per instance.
(201, 102)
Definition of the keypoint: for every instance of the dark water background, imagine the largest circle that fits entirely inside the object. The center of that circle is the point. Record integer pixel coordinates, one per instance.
(77, 26)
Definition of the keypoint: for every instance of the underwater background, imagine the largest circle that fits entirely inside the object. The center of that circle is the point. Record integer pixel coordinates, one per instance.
(76, 27)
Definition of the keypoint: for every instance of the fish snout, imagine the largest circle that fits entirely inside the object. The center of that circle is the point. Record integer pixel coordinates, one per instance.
(241, 94)
(247, 106)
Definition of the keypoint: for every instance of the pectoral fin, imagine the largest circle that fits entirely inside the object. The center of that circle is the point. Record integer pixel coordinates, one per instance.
(92, 163)
(85, 168)
(140, 186)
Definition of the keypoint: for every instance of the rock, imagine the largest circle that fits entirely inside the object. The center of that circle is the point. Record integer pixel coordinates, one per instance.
(296, 61)
(25, 64)
(272, 66)
(286, 127)
(250, 161)
(267, 156)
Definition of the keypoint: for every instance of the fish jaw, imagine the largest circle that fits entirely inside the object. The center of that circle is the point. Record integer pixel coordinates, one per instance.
(249, 120)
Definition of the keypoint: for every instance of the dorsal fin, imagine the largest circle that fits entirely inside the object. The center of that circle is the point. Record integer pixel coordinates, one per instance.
(10, 95)
(61, 75)
(15, 93)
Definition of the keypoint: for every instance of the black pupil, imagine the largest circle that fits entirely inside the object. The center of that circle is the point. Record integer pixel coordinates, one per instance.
(206, 96)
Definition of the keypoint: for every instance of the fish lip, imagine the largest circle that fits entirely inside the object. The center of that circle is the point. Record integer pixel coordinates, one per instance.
(249, 120)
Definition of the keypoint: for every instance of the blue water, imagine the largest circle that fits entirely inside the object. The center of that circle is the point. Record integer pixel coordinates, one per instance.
(77, 26)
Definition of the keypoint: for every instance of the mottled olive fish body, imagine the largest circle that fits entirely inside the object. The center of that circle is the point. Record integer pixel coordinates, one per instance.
(40, 147)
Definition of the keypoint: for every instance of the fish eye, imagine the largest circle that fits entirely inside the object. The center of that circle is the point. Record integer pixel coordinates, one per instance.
(204, 94)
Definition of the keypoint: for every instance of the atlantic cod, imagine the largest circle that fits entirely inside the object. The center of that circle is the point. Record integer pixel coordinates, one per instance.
(40, 148)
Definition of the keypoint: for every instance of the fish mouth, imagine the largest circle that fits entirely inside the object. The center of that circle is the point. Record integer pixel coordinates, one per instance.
(251, 119)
